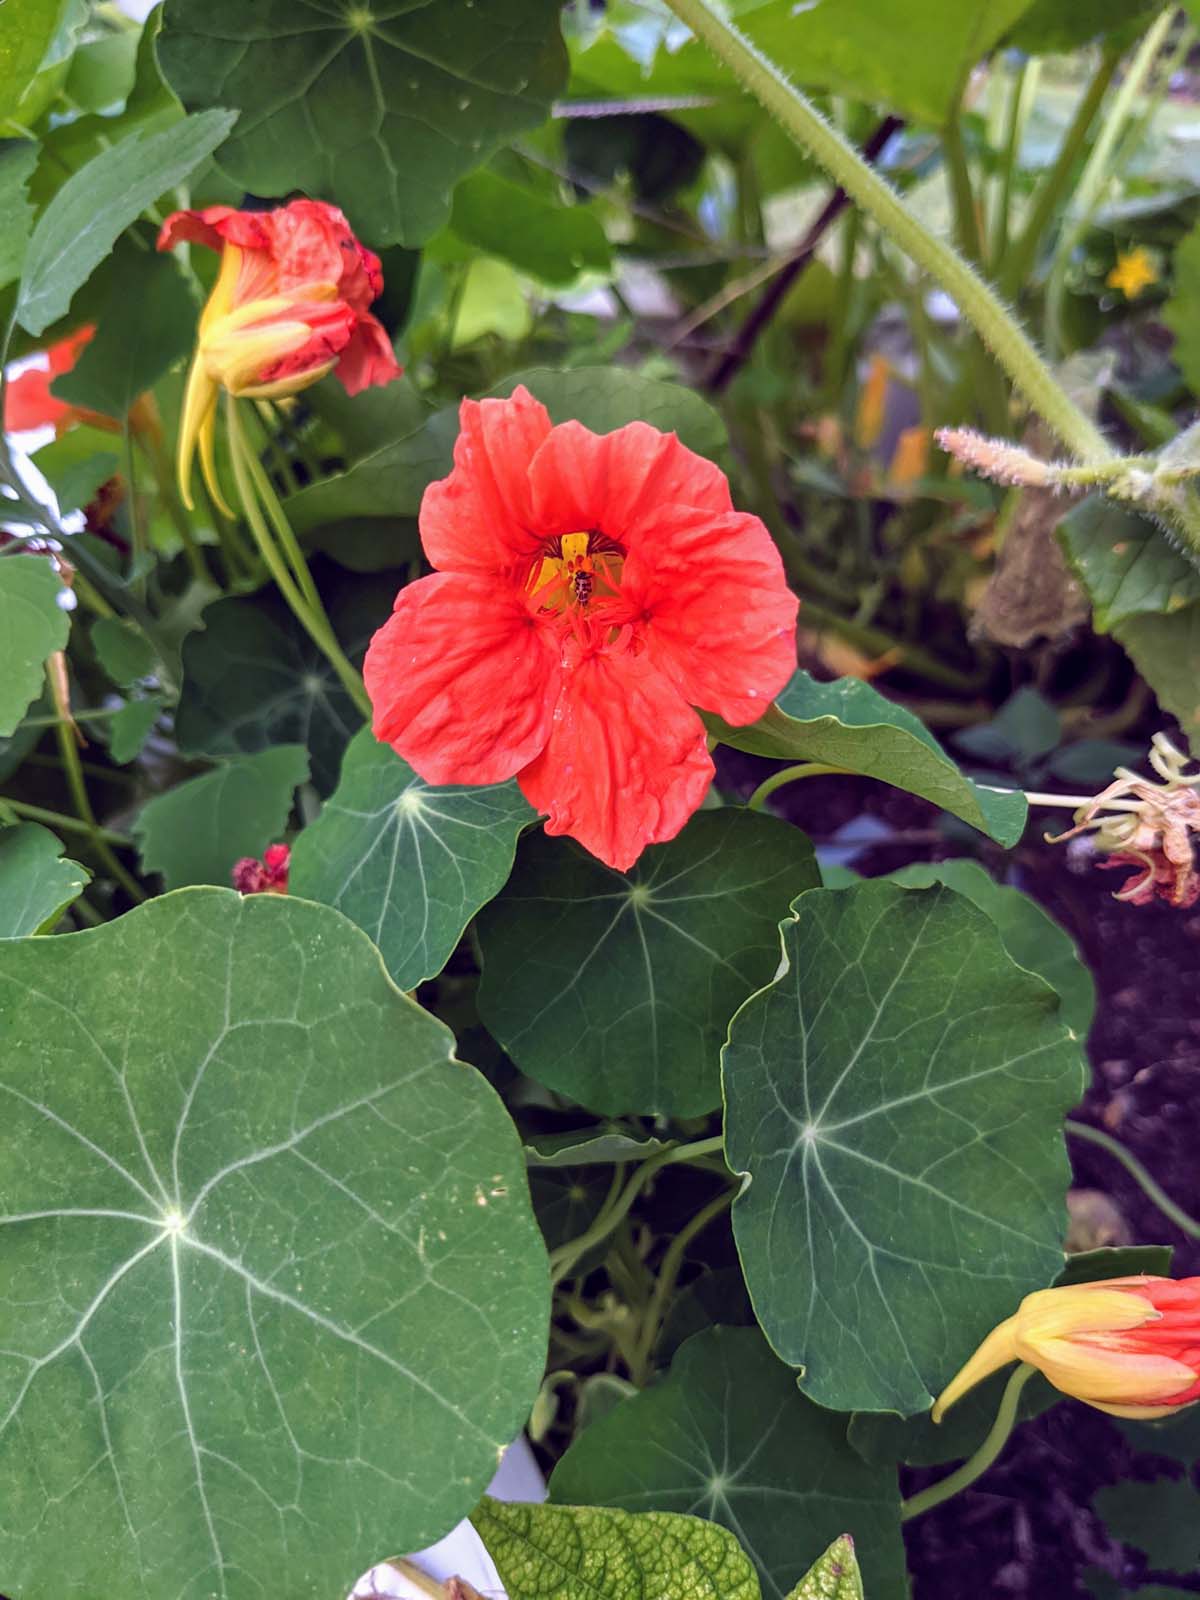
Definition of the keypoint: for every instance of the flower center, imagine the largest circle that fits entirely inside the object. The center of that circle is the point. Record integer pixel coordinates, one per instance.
(576, 573)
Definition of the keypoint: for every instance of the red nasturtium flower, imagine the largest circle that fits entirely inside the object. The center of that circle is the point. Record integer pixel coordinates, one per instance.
(268, 876)
(591, 590)
(291, 303)
(28, 402)
(1128, 1346)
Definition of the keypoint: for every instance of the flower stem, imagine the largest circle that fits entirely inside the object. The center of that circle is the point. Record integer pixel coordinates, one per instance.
(668, 1272)
(311, 617)
(76, 782)
(802, 769)
(976, 1465)
(1135, 1169)
(60, 820)
(974, 298)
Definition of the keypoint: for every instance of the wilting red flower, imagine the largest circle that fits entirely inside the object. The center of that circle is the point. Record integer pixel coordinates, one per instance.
(28, 402)
(290, 304)
(1128, 1346)
(591, 590)
(268, 876)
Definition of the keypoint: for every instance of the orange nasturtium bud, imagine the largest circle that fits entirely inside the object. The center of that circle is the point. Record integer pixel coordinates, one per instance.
(290, 304)
(1128, 1346)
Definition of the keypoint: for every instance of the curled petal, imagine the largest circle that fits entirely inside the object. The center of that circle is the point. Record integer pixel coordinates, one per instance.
(719, 618)
(462, 680)
(616, 483)
(368, 359)
(626, 764)
(480, 518)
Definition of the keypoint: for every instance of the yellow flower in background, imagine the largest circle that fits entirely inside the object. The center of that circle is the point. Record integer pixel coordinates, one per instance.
(1128, 1346)
(1135, 270)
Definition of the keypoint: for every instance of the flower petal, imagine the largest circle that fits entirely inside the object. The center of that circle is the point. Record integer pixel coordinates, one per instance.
(718, 616)
(480, 518)
(615, 483)
(368, 359)
(462, 680)
(28, 402)
(626, 764)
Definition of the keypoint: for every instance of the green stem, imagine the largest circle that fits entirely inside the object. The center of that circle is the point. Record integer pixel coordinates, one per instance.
(966, 213)
(283, 528)
(1019, 258)
(59, 819)
(1100, 170)
(164, 478)
(668, 1272)
(802, 769)
(77, 784)
(955, 1482)
(843, 298)
(1021, 95)
(974, 298)
(315, 623)
(1138, 1173)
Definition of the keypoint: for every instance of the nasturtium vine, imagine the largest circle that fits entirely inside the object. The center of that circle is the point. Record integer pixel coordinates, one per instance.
(594, 715)
(273, 1296)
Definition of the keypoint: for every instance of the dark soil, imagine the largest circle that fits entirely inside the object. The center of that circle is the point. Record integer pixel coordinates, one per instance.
(1027, 1527)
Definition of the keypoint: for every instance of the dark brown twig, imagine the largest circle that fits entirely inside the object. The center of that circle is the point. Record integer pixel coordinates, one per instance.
(747, 335)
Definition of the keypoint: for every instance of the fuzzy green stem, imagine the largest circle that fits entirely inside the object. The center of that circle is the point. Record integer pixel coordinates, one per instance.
(998, 1436)
(314, 621)
(1135, 1169)
(1019, 259)
(802, 769)
(974, 298)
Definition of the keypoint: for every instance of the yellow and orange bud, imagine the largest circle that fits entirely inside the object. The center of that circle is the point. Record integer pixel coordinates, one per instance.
(290, 304)
(1128, 1346)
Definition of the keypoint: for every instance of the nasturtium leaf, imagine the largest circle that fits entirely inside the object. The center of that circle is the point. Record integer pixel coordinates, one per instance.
(382, 107)
(834, 1576)
(411, 864)
(387, 482)
(616, 988)
(253, 678)
(883, 1437)
(36, 883)
(1176, 1436)
(1125, 563)
(537, 233)
(273, 1301)
(596, 1146)
(96, 204)
(148, 323)
(896, 1097)
(1032, 938)
(1166, 651)
(1056, 27)
(76, 466)
(122, 650)
(848, 724)
(32, 626)
(592, 1553)
(195, 832)
(1161, 1519)
(25, 34)
(605, 398)
(18, 157)
(1183, 307)
(729, 1437)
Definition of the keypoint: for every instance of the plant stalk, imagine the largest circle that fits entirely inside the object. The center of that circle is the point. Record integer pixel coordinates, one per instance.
(998, 1436)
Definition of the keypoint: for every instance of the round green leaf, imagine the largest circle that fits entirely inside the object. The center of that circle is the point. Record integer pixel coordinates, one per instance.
(273, 1301)
(588, 1553)
(381, 106)
(411, 864)
(896, 1096)
(1032, 938)
(616, 988)
(36, 883)
(728, 1436)
(32, 626)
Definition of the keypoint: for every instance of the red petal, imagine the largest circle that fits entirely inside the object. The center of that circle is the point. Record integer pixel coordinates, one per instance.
(719, 618)
(614, 483)
(480, 518)
(211, 227)
(63, 355)
(369, 358)
(462, 680)
(28, 402)
(626, 764)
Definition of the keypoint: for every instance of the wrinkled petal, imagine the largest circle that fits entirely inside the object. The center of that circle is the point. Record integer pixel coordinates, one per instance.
(480, 518)
(462, 680)
(368, 358)
(626, 764)
(718, 615)
(614, 483)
